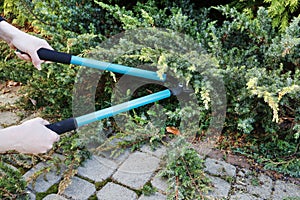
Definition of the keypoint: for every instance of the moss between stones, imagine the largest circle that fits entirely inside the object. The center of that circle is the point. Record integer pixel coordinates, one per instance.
(52, 190)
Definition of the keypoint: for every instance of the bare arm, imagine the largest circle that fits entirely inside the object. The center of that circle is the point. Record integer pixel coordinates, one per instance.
(32, 136)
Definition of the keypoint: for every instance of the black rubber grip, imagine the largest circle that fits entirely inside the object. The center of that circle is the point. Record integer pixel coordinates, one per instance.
(63, 126)
(54, 56)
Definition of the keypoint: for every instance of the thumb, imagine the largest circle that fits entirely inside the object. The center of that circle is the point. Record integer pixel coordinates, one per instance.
(36, 61)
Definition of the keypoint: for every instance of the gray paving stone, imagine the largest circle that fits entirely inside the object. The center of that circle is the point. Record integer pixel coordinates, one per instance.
(219, 168)
(43, 182)
(244, 196)
(119, 159)
(10, 166)
(79, 189)
(238, 187)
(159, 183)
(54, 197)
(31, 195)
(220, 188)
(284, 190)
(156, 196)
(242, 180)
(8, 118)
(97, 169)
(264, 187)
(137, 170)
(112, 191)
(9, 98)
(159, 152)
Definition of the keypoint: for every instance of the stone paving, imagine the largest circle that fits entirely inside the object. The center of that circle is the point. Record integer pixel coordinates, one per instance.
(123, 181)
(122, 178)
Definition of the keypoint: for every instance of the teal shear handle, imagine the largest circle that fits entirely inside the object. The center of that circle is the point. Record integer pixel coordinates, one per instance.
(74, 123)
(65, 58)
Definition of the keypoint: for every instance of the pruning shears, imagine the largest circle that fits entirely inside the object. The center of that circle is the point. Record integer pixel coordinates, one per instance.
(76, 122)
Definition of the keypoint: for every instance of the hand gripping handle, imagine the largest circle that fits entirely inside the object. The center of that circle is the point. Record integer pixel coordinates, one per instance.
(63, 126)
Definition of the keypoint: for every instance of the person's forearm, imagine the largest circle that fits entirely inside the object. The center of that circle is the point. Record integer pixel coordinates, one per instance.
(7, 31)
(6, 135)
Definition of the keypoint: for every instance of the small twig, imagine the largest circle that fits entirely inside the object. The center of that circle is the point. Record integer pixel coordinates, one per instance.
(193, 181)
(177, 185)
(187, 169)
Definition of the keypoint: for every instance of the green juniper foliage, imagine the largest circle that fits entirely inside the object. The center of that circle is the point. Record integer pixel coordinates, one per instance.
(258, 65)
(281, 12)
(262, 82)
(12, 185)
(184, 170)
(243, 50)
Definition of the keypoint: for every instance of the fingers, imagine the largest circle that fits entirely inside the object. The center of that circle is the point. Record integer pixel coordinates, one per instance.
(31, 48)
(32, 136)
(23, 56)
(40, 121)
(36, 60)
(56, 138)
(54, 135)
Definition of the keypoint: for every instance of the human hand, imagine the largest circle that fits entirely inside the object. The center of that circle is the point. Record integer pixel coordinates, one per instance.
(30, 137)
(29, 45)
(24, 42)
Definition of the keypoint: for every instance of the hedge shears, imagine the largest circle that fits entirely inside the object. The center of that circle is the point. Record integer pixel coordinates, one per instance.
(74, 123)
